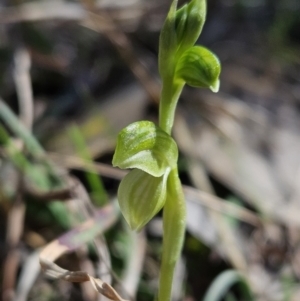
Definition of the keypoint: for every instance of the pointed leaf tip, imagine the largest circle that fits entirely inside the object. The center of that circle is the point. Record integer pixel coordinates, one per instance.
(215, 86)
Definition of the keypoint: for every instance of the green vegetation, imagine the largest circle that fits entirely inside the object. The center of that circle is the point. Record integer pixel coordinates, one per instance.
(150, 150)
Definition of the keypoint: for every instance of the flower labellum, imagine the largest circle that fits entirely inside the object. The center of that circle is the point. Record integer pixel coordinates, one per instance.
(141, 196)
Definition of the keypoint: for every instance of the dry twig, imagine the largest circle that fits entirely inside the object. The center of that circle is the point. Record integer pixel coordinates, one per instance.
(68, 242)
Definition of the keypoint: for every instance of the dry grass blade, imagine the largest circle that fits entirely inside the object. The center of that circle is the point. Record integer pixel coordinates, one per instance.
(228, 239)
(105, 289)
(205, 199)
(133, 272)
(28, 276)
(36, 11)
(56, 9)
(74, 239)
(217, 204)
(74, 162)
(23, 86)
(15, 227)
(54, 271)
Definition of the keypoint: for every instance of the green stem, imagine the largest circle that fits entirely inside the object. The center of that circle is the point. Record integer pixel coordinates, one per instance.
(174, 208)
(169, 97)
(174, 229)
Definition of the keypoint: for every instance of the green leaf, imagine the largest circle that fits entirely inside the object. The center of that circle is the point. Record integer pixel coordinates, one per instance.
(145, 146)
(141, 196)
(189, 23)
(200, 68)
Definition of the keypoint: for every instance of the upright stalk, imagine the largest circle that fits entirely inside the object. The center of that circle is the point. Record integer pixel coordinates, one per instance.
(174, 218)
(169, 97)
(151, 151)
(174, 215)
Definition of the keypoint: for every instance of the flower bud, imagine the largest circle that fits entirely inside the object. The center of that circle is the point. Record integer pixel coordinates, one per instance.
(141, 196)
(189, 22)
(179, 32)
(200, 68)
(167, 43)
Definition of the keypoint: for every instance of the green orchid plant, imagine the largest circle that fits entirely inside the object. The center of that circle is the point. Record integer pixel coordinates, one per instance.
(150, 151)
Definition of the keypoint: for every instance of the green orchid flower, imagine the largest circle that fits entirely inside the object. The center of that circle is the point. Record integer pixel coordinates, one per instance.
(150, 151)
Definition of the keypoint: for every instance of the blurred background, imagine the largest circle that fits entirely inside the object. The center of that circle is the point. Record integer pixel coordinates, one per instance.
(72, 75)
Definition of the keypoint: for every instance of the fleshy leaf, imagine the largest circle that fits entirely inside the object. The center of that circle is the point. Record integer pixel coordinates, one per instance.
(189, 23)
(145, 146)
(199, 67)
(141, 196)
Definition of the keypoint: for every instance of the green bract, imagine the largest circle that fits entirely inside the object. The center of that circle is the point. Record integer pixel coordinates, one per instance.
(199, 67)
(179, 32)
(141, 196)
(189, 22)
(145, 146)
(167, 43)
